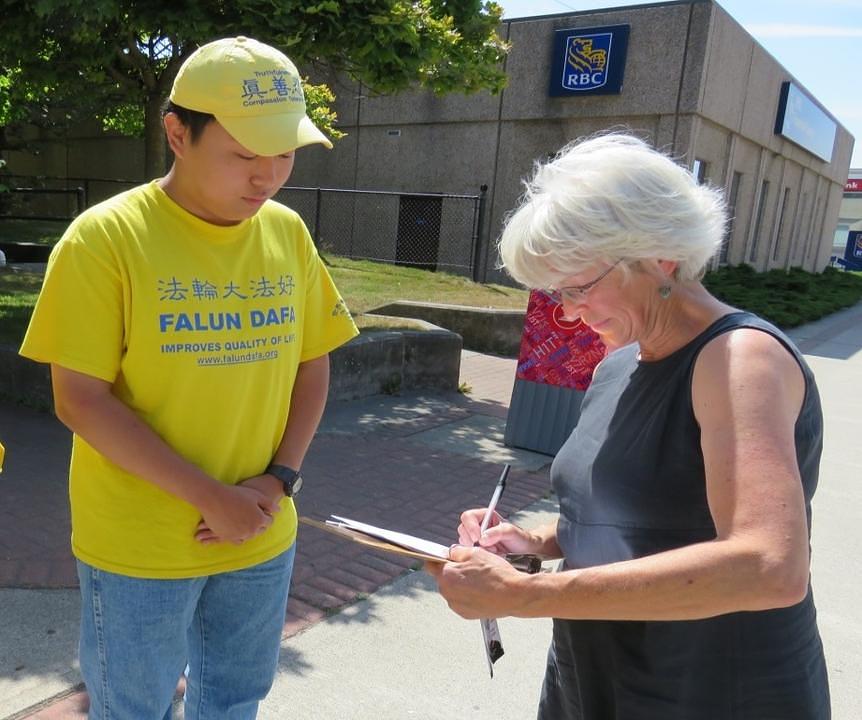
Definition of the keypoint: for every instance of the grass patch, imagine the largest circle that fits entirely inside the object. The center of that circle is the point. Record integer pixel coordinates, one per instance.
(366, 285)
(368, 323)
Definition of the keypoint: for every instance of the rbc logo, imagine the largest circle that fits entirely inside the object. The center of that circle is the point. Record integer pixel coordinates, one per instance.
(586, 61)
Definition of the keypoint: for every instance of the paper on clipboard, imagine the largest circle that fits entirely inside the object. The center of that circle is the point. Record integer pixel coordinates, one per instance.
(382, 539)
(410, 542)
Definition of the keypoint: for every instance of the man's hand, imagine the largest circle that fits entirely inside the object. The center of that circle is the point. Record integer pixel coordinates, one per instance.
(267, 485)
(237, 513)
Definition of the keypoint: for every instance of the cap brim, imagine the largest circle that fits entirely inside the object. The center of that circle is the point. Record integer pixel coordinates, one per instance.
(274, 134)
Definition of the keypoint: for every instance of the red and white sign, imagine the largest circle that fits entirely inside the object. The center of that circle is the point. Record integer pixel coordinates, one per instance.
(853, 185)
(556, 351)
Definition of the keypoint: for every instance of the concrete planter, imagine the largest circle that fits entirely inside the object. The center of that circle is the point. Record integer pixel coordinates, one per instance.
(486, 330)
(23, 380)
(376, 362)
(25, 252)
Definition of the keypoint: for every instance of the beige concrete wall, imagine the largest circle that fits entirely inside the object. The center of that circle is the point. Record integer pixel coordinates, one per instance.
(745, 160)
(653, 73)
(710, 145)
(786, 207)
(807, 202)
(747, 122)
(85, 152)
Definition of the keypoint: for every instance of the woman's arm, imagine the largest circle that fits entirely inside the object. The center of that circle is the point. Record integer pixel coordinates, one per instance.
(747, 391)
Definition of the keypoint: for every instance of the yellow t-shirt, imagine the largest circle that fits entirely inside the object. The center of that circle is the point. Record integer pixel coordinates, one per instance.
(200, 329)
(2, 455)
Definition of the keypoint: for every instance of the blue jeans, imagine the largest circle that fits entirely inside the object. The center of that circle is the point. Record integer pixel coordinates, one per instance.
(138, 635)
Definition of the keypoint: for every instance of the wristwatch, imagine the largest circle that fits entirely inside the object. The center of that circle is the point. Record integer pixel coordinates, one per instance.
(291, 480)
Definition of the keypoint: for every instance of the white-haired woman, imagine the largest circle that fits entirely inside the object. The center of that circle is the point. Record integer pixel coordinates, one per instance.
(685, 488)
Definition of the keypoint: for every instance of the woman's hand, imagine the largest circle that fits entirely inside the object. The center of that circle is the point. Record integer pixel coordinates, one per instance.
(476, 583)
(500, 538)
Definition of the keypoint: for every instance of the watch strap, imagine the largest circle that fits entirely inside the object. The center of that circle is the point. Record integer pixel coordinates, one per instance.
(290, 479)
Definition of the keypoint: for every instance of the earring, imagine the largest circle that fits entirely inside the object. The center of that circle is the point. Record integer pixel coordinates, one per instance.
(664, 291)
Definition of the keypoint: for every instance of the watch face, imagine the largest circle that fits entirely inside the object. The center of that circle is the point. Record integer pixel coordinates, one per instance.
(295, 486)
(291, 480)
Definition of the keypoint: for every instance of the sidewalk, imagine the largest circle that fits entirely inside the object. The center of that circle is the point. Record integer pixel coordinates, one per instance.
(411, 462)
(393, 650)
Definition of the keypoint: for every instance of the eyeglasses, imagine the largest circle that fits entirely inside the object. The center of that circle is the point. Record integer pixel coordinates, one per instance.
(574, 293)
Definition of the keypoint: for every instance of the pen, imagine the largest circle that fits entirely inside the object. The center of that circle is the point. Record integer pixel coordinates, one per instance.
(495, 498)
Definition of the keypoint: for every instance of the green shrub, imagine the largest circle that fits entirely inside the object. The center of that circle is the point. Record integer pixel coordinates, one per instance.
(786, 298)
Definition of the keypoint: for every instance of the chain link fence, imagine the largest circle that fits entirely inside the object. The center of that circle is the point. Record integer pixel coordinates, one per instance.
(27, 203)
(35, 211)
(46, 198)
(431, 231)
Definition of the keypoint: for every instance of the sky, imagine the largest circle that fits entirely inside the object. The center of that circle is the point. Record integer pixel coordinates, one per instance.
(817, 41)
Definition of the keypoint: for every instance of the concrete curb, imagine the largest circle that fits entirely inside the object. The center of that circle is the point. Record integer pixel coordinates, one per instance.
(25, 252)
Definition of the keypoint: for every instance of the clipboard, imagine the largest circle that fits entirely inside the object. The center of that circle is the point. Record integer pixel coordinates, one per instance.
(411, 546)
(404, 544)
(381, 539)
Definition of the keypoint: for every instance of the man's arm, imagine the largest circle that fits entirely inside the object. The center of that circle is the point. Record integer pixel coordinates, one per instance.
(87, 406)
(307, 403)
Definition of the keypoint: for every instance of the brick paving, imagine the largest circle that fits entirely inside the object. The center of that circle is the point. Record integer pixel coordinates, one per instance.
(375, 472)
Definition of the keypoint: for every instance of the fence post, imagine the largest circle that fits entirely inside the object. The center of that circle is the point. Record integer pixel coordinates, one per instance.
(316, 236)
(81, 196)
(479, 227)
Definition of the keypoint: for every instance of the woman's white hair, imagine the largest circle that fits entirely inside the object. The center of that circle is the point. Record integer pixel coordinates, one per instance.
(608, 198)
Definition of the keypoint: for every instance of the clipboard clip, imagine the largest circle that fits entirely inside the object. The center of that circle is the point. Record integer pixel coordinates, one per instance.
(525, 562)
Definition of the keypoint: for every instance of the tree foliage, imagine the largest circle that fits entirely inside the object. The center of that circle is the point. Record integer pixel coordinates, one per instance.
(61, 60)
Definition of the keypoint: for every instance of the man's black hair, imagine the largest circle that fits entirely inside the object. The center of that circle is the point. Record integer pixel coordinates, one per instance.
(195, 121)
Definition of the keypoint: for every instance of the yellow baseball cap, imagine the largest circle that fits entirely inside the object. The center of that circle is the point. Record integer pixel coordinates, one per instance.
(253, 90)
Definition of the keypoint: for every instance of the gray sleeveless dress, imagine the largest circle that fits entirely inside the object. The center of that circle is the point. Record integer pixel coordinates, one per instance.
(630, 481)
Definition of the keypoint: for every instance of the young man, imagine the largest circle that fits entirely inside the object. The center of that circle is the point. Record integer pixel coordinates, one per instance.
(188, 324)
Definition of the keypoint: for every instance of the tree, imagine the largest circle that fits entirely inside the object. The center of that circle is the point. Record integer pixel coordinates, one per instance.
(61, 60)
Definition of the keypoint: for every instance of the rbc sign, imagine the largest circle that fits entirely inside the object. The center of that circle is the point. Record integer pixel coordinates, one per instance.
(589, 60)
